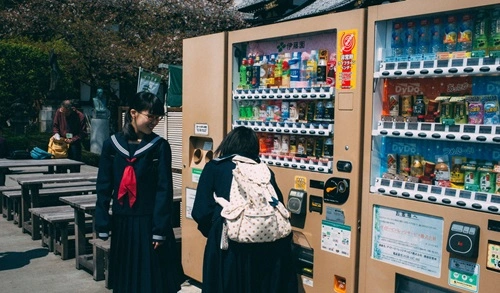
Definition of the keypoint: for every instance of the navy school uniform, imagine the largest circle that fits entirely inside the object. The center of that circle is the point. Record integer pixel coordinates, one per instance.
(134, 265)
(242, 268)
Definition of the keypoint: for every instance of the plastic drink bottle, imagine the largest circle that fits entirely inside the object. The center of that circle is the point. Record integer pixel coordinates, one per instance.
(450, 34)
(256, 73)
(321, 74)
(285, 77)
(263, 72)
(320, 110)
(424, 36)
(410, 38)
(270, 71)
(312, 68)
(464, 40)
(249, 70)
(397, 43)
(480, 44)
(243, 73)
(285, 110)
(437, 35)
(495, 33)
(278, 72)
(294, 64)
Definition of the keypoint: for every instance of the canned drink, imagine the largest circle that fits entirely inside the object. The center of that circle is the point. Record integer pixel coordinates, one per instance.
(404, 165)
(406, 105)
(392, 163)
(446, 111)
(471, 179)
(277, 144)
(417, 168)
(394, 105)
(487, 180)
(460, 113)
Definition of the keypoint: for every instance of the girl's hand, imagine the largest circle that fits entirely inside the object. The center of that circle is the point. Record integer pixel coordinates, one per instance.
(156, 244)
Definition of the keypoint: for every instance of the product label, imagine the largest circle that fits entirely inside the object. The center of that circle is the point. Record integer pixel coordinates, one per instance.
(346, 59)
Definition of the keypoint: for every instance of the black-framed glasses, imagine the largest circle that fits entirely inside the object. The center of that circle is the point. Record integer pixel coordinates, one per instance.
(152, 117)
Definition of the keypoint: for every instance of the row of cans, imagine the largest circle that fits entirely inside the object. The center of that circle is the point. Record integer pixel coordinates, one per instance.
(460, 174)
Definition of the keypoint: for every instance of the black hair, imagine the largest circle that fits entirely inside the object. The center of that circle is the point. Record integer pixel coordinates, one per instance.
(240, 141)
(140, 102)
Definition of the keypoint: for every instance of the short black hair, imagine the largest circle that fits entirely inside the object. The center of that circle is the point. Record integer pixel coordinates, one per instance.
(240, 141)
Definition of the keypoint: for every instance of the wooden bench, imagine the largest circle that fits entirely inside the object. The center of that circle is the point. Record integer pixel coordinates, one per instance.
(57, 227)
(101, 257)
(5, 210)
(8, 212)
(46, 197)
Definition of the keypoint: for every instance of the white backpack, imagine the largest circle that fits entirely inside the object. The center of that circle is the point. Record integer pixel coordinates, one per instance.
(253, 214)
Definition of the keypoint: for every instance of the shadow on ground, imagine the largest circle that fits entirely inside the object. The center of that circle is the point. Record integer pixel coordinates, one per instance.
(13, 260)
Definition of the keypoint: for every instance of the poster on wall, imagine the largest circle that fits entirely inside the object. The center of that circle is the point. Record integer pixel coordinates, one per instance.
(407, 239)
(148, 81)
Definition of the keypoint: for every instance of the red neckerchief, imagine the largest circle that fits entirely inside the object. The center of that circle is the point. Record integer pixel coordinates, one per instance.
(128, 185)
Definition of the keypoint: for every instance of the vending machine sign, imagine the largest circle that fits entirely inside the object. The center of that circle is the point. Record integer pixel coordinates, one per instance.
(407, 239)
(346, 59)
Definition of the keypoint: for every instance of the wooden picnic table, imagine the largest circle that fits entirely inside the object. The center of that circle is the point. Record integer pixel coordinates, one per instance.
(85, 204)
(82, 204)
(49, 163)
(30, 189)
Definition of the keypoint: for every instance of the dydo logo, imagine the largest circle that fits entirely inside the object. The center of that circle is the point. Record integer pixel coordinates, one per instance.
(493, 88)
(408, 88)
(404, 148)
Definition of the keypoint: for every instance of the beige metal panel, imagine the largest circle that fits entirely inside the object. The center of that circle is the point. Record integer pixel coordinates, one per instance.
(204, 96)
(376, 276)
(347, 146)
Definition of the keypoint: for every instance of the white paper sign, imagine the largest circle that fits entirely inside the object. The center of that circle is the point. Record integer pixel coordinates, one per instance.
(190, 196)
(407, 239)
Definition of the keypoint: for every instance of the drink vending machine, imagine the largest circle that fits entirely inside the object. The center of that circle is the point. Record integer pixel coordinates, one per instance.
(204, 126)
(431, 167)
(299, 85)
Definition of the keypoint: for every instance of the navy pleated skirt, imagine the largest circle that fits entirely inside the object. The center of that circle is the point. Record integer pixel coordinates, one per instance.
(134, 265)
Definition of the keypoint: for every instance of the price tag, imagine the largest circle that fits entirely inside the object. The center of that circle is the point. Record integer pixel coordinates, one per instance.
(422, 187)
(409, 186)
(436, 190)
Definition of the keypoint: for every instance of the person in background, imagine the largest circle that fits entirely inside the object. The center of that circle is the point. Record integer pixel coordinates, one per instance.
(135, 172)
(70, 124)
(243, 267)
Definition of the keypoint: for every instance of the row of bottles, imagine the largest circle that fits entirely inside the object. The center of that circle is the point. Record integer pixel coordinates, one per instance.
(477, 34)
(284, 111)
(295, 147)
(464, 173)
(480, 109)
(288, 70)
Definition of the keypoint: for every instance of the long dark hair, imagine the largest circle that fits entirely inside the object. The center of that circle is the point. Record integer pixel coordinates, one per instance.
(140, 102)
(240, 141)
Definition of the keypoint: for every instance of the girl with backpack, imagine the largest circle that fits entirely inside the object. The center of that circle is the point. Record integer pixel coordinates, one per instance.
(231, 266)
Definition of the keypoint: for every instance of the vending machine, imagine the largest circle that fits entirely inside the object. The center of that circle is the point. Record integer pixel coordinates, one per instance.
(299, 85)
(431, 170)
(204, 126)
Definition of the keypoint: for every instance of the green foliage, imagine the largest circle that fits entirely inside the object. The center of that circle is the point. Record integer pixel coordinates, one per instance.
(25, 76)
(112, 39)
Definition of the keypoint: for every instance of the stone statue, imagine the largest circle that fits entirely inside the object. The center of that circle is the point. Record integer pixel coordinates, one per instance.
(100, 109)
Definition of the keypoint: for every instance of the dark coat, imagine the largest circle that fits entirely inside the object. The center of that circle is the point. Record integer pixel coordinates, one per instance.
(134, 265)
(153, 169)
(243, 268)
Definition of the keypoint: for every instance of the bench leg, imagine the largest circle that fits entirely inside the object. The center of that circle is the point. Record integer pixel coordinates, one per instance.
(47, 235)
(64, 241)
(16, 211)
(98, 263)
(9, 208)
